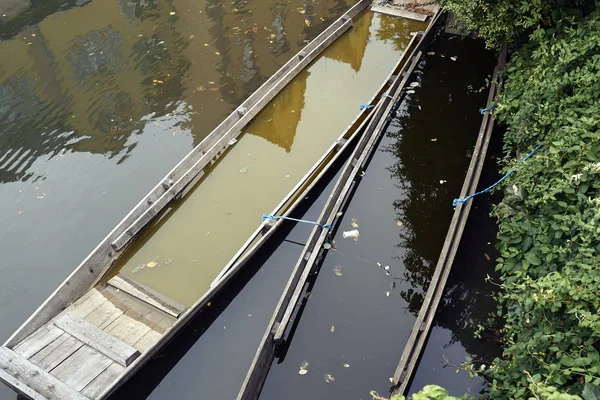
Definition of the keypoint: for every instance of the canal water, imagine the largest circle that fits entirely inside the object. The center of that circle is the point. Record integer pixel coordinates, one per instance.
(100, 99)
(194, 241)
(362, 305)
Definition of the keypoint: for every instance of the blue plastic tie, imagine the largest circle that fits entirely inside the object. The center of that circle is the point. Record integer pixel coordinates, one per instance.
(274, 217)
(509, 173)
(489, 109)
(366, 106)
(387, 95)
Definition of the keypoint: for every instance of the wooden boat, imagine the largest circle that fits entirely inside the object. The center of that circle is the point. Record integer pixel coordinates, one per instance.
(97, 329)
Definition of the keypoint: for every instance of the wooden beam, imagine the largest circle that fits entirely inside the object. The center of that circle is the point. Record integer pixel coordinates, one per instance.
(31, 378)
(96, 338)
(147, 295)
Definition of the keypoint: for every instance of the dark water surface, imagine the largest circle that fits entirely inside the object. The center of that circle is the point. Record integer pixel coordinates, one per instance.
(99, 99)
(467, 301)
(364, 301)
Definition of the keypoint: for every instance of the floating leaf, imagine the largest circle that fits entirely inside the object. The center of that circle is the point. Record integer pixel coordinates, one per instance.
(303, 371)
(172, 13)
(329, 378)
(442, 181)
(339, 214)
(337, 270)
(217, 53)
(332, 328)
(307, 23)
(431, 53)
(387, 294)
(454, 58)
(434, 140)
(399, 223)
(414, 84)
(243, 170)
(327, 246)
(167, 261)
(346, 365)
(487, 257)
(353, 223)
(152, 264)
(410, 92)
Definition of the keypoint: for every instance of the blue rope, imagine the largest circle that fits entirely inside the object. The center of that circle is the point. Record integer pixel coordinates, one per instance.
(489, 109)
(274, 217)
(366, 106)
(509, 173)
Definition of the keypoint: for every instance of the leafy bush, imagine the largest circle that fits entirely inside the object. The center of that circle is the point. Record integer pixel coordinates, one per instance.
(549, 220)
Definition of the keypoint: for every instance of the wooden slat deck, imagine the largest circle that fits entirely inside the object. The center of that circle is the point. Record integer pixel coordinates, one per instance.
(89, 345)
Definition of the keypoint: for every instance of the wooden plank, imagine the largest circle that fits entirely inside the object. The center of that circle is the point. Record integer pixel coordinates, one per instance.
(94, 299)
(106, 379)
(97, 339)
(60, 353)
(81, 367)
(400, 13)
(148, 340)
(128, 329)
(46, 351)
(35, 378)
(104, 315)
(141, 311)
(36, 342)
(19, 386)
(147, 295)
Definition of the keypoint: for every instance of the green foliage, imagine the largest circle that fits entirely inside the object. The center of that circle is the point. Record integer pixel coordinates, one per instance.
(549, 220)
(502, 21)
(429, 392)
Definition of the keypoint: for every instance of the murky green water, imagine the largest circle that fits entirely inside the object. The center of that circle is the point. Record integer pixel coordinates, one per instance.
(187, 250)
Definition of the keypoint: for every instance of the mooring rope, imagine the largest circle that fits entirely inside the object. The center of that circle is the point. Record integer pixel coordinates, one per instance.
(509, 173)
(489, 109)
(366, 106)
(274, 217)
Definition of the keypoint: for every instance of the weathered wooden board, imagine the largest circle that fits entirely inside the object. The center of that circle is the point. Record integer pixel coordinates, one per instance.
(36, 342)
(81, 368)
(148, 340)
(34, 377)
(152, 317)
(63, 351)
(20, 387)
(128, 329)
(104, 315)
(102, 381)
(400, 13)
(96, 338)
(147, 295)
(93, 300)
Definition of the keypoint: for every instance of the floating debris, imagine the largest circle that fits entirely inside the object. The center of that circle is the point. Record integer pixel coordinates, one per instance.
(351, 234)
(442, 181)
(329, 378)
(339, 214)
(387, 294)
(337, 270)
(303, 368)
(232, 142)
(172, 13)
(346, 365)
(362, 173)
(167, 261)
(487, 257)
(434, 140)
(454, 58)
(399, 223)
(431, 53)
(414, 84)
(138, 268)
(387, 268)
(327, 246)
(353, 223)
(307, 23)
(243, 170)
(332, 328)
(410, 92)
(152, 264)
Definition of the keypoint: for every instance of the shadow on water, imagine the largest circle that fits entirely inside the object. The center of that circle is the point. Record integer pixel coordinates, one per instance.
(467, 301)
(363, 304)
